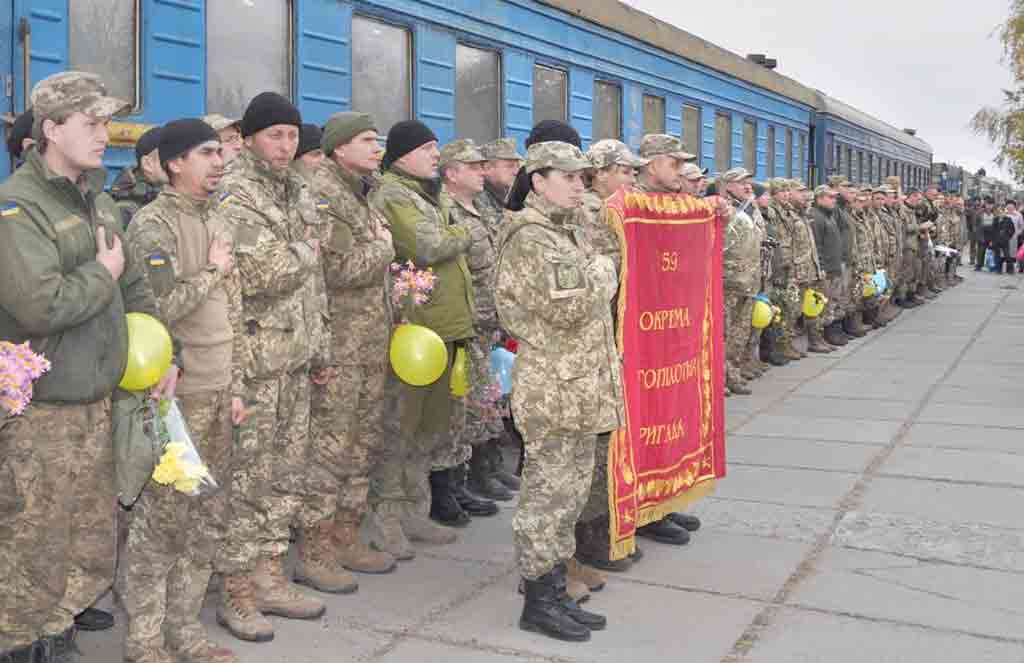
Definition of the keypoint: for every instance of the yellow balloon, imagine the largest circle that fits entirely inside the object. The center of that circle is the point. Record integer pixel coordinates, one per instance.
(763, 314)
(460, 374)
(814, 303)
(149, 352)
(418, 355)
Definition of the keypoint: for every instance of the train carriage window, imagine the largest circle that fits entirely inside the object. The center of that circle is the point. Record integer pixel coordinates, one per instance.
(848, 172)
(381, 71)
(840, 162)
(723, 142)
(771, 152)
(477, 94)
(104, 40)
(248, 51)
(654, 114)
(803, 157)
(607, 110)
(789, 153)
(549, 94)
(750, 146)
(691, 130)
(859, 177)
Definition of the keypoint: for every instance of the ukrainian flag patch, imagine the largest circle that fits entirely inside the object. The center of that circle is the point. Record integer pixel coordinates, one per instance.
(224, 196)
(322, 204)
(157, 260)
(9, 209)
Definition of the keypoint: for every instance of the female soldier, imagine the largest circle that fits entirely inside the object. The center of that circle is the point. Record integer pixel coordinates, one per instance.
(553, 296)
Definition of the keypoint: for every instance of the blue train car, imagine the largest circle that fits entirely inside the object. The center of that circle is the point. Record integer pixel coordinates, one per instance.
(468, 68)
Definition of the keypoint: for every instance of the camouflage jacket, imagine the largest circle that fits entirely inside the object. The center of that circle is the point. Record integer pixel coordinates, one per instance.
(553, 293)
(777, 221)
(864, 259)
(893, 229)
(491, 202)
(268, 212)
(424, 233)
(916, 237)
(171, 237)
(844, 223)
(741, 250)
(356, 267)
(599, 233)
(806, 265)
(480, 258)
(131, 191)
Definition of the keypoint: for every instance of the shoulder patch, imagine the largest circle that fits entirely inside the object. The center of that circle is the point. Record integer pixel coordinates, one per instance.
(224, 196)
(9, 209)
(323, 203)
(157, 259)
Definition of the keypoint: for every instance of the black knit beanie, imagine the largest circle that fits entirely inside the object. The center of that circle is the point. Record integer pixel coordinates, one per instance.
(549, 130)
(309, 139)
(147, 142)
(405, 137)
(267, 109)
(180, 136)
(20, 130)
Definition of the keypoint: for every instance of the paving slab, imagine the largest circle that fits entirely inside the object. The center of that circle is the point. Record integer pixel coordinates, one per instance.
(949, 413)
(898, 386)
(779, 521)
(955, 465)
(946, 502)
(822, 428)
(859, 407)
(966, 436)
(426, 651)
(800, 636)
(1000, 396)
(797, 453)
(778, 485)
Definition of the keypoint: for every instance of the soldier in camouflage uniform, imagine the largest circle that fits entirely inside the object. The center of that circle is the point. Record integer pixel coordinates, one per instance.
(503, 162)
(783, 288)
(867, 257)
(807, 269)
(853, 301)
(425, 417)
(172, 539)
(67, 284)
(139, 185)
(461, 167)
(348, 411)
(741, 263)
(890, 243)
(230, 134)
(272, 216)
(614, 167)
(553, 294)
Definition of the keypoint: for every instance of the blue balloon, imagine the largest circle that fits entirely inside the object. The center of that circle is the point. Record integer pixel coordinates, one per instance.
(501, 366)
(881, 281)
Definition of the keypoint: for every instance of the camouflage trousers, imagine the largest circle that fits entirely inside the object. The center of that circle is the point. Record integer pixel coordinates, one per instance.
(855, 291)
(173, 539)
(739, 308)
(555, 486)
(597, 501)
(481, 424)
(835, 288)
(348, 438)
(419, 430)
(910, 273)
(272, 475)
(57, 517)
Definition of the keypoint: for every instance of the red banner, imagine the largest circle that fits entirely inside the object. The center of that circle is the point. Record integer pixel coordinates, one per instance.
(671, 335)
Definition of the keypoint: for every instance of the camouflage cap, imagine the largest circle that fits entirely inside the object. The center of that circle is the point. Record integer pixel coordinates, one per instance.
(502, 148)
(73, 91)
(692, 171)
(555, 154)
(463, 150)
(798, 185)
(654, 145)
(884, 190)
(824, 190)
(219, 122)
(779, 185)
(735, 175)
(893, 180)
(610, 152)
(837, 181)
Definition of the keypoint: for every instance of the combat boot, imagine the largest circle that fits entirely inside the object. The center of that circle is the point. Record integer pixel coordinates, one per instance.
(589, 619)
(388, 535)
(36, 652)
(576, 588)
(317, 566)
(833, 336)
(852, 326)
(239, 613)
(790, 352)
(775, 354)
(185, 637)
(275, 594)
(870, 318)
(665, 531)
(593, 547)
(205, 652)
(350, 550)
(420, 528)
(62, 649)
(815, 342)
(472, 505)
(543, 612)
(687, 521)
(444, 508)
(593, 579)
(481, 480)
(498, 471)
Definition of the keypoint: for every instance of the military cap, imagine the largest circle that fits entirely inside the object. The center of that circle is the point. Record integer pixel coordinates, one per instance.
(610, 152)
(654, 145)
(147, 142)
(911, 190)
(692, 171)
(735, 175)
(73, 91)
(779, 185)
(555, 154)
(824, 190)
(759, 189)
(893, 180)
(219, 122)
(798, 185)
(501, 148)
(463, 150)
(838, 181)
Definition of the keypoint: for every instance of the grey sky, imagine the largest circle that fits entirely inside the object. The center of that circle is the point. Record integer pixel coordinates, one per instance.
(927, 65)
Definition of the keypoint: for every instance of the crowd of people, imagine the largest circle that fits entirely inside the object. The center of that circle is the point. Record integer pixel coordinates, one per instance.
(268, 247)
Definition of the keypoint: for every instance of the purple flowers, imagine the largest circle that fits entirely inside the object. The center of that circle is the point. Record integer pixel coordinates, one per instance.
(19, 367)
(411, 285)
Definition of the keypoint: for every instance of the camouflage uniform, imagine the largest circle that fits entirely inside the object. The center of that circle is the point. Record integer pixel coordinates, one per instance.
(268, 212)
(741, 262)
(491, 203)
(553, 294)
(132, 191)
(172, 539)
(807, 272)
(779, 227)
(58, 502)
(348, 412)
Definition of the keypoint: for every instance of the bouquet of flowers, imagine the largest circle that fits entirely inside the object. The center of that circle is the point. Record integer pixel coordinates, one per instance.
(180, 465)
(411, 286)
(19, 368)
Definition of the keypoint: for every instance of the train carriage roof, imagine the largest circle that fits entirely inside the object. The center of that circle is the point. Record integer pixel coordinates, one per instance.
(833, 106)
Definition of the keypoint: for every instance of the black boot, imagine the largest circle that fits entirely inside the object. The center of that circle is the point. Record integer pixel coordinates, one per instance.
(37, 652)
(685, 520)
(543, 611)
(472, 505)
(94, 619)
(665, 531)
(591, 620)
(481, 481)
(592, 546)
(62, 647)
(776, 357)
(498, 471)
(444, 508)
(833, 336)
(850, 327)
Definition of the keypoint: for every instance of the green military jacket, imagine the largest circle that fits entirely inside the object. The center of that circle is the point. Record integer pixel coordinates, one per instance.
(55, 294)
(553, 293)
(423, 233)
(357, 260)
